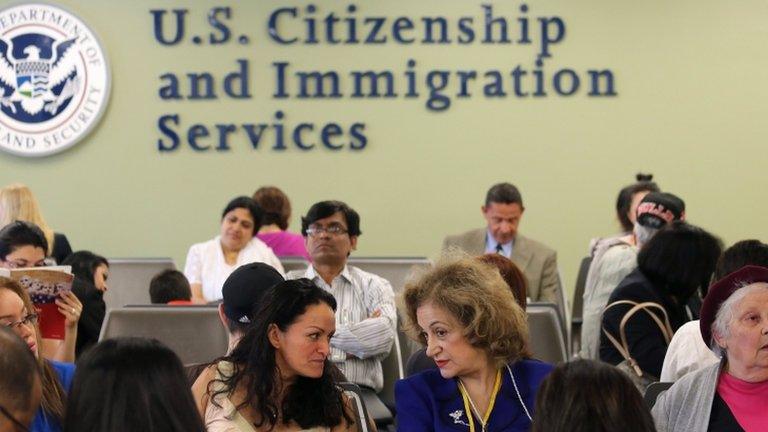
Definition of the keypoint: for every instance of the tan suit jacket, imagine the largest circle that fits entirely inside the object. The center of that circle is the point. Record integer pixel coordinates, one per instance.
(537, 261)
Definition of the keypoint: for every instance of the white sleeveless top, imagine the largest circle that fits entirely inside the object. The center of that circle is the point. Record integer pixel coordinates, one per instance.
(228, 418)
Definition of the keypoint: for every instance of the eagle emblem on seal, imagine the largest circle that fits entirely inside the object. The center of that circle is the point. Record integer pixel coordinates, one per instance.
(41, 78)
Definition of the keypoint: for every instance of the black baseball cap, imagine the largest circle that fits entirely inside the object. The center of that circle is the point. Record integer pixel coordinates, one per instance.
(244, 288)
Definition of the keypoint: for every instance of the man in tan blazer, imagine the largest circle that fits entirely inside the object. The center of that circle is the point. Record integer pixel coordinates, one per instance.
(503, 211)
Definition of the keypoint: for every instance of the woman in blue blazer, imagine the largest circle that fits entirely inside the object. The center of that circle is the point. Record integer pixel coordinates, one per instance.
(477, 334)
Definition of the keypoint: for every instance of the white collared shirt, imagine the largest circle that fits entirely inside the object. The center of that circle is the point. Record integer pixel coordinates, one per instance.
(206, 264)
(491, 243)
(358, 295)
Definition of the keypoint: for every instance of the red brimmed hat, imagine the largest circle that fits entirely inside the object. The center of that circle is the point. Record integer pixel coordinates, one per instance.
(721, 290)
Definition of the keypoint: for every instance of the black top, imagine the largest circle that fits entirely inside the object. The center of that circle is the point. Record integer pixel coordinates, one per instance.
(92, 316)
(721, 418)
(61, 248)
(646, 342)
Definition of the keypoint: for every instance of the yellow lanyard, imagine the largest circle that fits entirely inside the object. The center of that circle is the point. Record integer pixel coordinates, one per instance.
(469, 405)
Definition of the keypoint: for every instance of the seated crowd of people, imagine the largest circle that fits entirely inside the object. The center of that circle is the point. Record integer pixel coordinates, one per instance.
(662, 301)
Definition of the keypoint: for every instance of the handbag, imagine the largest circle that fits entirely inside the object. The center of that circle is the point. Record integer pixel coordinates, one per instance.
(629, 365)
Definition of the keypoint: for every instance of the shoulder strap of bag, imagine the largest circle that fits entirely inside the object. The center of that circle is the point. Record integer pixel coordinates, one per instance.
(623, 347)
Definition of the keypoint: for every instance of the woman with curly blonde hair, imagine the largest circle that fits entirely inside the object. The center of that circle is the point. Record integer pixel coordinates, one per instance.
(477, 334)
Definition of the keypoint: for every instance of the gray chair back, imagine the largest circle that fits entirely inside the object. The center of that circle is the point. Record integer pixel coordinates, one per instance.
(352, 391)
(393, 370)
(396, 270)
(293, 263)
(577, 306)
(129, 279)
(653, 391)
(194, 333)
(546, 333)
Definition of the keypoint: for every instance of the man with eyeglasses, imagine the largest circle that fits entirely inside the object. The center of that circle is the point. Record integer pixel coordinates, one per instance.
(366, 316)
(20, 385)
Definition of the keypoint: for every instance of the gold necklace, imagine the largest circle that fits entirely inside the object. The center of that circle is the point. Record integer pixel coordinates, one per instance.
(470, 408)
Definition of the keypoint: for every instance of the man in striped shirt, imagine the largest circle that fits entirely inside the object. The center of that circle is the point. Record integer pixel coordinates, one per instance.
(366, 316)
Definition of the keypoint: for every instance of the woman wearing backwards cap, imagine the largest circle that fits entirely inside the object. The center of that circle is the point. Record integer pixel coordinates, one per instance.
(733, 394)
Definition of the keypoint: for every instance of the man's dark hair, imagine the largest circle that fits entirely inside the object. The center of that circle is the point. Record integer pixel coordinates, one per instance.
(249, 204)
(503, 193)
(19, 233)
(680, 258)
(169, 285)
(324, 209)
(624, 200)
(745, 252)
(19, 372)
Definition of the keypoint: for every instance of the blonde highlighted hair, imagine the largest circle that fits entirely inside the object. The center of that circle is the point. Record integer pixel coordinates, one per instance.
(477, 296)
(18, 203)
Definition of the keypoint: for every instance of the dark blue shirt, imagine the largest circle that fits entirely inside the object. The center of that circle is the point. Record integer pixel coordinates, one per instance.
(429, 402)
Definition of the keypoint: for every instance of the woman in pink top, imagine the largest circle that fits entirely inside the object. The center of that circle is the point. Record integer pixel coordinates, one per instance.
(731, 395)
(273, 231)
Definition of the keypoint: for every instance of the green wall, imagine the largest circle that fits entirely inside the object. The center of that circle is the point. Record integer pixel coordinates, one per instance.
(691, 83)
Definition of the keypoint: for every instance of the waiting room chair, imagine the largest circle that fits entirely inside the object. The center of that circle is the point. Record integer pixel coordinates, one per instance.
(577, 306)
(419, 362)
(653, 391)
(546, 333)
(194, 333)
(397, 270)
(352, 391)
(293, 263)
(129, 279)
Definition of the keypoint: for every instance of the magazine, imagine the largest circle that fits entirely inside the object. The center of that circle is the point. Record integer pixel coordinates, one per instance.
(44, 285)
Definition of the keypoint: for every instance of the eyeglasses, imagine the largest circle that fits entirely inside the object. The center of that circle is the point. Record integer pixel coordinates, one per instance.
(13, 419)
(29, 319)
(331, 229)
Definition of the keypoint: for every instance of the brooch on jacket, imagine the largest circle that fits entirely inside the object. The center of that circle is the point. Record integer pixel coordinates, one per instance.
(456, 416)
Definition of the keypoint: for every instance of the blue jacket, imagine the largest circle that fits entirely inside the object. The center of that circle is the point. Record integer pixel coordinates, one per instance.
(43, 423)
(429, 402)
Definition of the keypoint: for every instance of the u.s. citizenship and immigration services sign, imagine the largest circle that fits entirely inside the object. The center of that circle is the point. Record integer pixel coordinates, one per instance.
(54, 79)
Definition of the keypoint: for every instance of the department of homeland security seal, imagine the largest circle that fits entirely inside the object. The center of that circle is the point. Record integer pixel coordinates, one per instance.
(54, 79)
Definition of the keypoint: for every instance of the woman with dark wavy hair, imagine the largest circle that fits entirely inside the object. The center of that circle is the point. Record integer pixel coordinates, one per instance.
(279, 376)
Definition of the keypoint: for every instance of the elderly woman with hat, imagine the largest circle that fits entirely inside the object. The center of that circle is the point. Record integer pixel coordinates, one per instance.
(733, 394)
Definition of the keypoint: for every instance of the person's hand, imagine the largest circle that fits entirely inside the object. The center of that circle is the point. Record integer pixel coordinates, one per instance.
(376, 313)
(70, 307)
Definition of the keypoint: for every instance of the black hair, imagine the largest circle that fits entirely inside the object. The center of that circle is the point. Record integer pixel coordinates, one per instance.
(745, 252)
(590, 396)
(325, 209)
(624, 200)
(84, 264)
(19, 372)
(131, 384)
(19, 233)
(310, 402)
(249, 204)
(169, 285)
(503, 193)
(681, 258)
